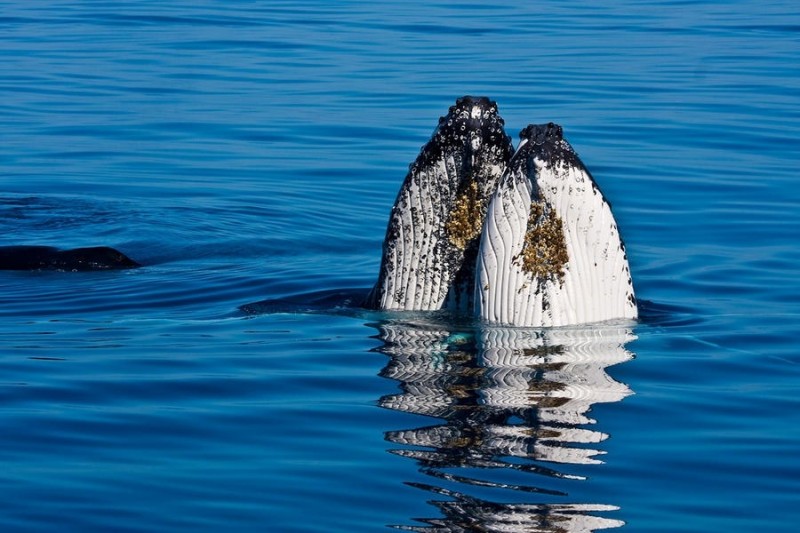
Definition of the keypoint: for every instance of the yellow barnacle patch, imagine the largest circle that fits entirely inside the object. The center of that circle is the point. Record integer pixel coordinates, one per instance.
(466, 218)
(544, 252)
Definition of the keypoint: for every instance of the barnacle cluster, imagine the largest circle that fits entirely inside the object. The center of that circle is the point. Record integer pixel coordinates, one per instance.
(544, 250)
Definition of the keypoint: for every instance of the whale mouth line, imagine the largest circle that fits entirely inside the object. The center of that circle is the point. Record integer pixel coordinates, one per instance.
(520, 237)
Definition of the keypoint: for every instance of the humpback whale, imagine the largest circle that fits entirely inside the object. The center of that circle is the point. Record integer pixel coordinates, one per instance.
(550, 251)
(50, 258)
(431, 242)
(520, 239)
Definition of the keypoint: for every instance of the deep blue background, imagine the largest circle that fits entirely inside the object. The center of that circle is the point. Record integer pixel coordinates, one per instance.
(250, 150)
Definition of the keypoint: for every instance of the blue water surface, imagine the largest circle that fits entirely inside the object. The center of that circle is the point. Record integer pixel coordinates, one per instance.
(245, 151)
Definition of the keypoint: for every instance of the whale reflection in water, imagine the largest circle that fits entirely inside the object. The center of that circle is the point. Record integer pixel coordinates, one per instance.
(514, 408)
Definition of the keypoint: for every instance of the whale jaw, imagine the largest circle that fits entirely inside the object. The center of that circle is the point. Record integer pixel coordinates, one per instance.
(550, 251)
(431, 242)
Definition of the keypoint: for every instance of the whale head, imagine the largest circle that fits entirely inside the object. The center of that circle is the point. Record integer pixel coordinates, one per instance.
(431, 242)
(551, 252)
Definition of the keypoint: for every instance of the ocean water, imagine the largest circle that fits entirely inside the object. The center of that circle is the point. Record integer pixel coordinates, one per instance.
(248, 151)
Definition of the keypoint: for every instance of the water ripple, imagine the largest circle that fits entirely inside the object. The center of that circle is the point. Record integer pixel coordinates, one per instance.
(249, 152)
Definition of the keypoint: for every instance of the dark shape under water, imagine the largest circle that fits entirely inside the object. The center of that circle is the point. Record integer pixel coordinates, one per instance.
(331, 301)
(74, 260)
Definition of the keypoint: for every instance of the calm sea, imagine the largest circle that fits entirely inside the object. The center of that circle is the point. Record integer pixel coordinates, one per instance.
(249, 150)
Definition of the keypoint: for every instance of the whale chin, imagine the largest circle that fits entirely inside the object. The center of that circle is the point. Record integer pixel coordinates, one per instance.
(520, 239)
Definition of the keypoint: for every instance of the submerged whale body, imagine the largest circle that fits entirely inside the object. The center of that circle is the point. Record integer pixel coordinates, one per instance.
(521, 239)
(74, 260)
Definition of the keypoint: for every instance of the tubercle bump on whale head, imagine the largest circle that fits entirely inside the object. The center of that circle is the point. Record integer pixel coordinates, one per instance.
(471, 103)
(540, 134)
(473, 113)
(546, 143)
(474, 122)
